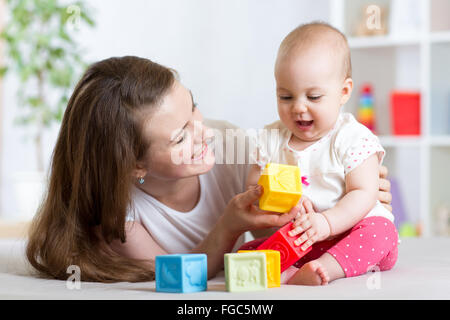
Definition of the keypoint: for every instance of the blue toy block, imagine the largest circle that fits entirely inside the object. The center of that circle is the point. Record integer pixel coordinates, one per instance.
(181, 273)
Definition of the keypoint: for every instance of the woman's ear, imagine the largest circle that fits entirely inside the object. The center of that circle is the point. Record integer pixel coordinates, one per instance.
(347, 89)
(139, 171)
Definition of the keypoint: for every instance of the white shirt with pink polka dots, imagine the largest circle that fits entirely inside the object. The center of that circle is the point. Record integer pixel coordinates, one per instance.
(324, 164)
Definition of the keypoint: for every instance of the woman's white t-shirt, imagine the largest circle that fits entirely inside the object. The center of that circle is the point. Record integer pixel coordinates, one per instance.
(324, 164)
(180, 232)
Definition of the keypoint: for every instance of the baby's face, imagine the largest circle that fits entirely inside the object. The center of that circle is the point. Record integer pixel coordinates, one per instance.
(310, 91)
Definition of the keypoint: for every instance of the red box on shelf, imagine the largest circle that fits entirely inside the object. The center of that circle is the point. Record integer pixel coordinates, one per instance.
(405, 113)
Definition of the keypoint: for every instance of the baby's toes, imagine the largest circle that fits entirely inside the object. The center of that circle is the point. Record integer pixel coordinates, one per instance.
(323, 273)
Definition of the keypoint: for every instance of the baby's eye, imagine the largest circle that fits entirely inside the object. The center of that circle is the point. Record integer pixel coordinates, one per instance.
(285, 97)
(314, 98)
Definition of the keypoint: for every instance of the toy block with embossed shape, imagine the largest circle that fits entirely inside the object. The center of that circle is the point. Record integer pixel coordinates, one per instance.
(284, 243)
(273, 266)
(245, 271)
(181, 273)
(282, 187)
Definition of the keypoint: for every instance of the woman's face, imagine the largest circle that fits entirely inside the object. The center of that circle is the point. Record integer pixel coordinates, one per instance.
(178, 138)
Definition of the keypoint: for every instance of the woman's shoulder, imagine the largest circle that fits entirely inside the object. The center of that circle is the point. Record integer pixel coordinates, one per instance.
(219, 124)
(140, 203)
(275, 131)
(276, 125)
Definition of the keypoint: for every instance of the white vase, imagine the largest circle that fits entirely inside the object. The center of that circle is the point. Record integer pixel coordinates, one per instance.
(28, 187)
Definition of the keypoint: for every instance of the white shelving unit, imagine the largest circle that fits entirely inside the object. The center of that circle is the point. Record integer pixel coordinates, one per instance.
(418, 61)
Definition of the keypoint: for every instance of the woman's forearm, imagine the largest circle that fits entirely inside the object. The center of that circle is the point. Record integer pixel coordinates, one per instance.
(218, 242)
(349, 210)
(239, 216)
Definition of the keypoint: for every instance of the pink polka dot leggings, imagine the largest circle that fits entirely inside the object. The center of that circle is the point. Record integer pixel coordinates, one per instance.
(370, 243)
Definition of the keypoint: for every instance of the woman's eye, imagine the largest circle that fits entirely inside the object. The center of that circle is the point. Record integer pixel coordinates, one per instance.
(314, 98)
(181, 140)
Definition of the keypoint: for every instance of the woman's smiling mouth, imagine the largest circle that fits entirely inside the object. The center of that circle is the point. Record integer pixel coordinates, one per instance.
(200, 155)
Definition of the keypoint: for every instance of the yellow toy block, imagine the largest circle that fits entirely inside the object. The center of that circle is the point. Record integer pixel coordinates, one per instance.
(273, 266)
(282, 187)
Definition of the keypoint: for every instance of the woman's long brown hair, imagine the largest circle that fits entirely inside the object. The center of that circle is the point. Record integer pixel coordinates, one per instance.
(90, 179)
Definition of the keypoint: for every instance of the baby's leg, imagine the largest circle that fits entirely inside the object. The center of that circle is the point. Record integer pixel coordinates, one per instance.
(372, 242)
(318, 272)
(315, 268)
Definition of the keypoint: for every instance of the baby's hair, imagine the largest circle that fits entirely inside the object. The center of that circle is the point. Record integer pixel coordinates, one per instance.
(307, 33)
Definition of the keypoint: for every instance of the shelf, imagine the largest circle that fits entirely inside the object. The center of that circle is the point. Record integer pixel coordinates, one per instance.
(405, 59)
(438, 37)
(381, 41)
(401, 141)
(393, 41)
(414, 141)
(440, 141)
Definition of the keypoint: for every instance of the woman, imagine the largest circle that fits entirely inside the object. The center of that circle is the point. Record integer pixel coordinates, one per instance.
(116, 199)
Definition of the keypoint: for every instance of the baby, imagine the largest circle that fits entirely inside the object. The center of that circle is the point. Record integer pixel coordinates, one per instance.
(338, 157)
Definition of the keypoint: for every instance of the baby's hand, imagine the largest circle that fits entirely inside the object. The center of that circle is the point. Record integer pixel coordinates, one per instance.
(313, 226)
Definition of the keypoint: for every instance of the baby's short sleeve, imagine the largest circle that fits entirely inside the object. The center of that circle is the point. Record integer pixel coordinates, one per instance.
(355, 143)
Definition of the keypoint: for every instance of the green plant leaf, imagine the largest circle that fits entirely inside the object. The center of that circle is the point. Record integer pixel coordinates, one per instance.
(42, 51)
(3, 71)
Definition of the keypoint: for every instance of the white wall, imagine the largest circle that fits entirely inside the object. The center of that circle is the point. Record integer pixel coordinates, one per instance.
(223, 49)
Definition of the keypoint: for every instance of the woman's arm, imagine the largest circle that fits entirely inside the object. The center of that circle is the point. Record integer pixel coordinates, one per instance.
(384, 194)
(252, 179)
(241, 215)
(139, 244)
(253, 176)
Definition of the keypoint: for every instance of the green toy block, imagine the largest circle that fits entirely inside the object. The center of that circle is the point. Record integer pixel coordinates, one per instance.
(245, 271)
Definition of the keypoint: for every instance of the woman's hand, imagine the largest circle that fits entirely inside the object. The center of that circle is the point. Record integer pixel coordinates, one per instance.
(384, 194)
(312, 225)
(243, 214)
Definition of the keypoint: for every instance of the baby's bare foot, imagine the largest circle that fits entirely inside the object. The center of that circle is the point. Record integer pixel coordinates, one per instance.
(311, 274)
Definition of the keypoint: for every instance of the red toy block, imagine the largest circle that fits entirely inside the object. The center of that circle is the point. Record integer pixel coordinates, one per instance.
(283, 242)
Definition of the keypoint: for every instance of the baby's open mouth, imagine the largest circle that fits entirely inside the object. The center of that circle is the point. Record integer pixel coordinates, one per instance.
(305, 123)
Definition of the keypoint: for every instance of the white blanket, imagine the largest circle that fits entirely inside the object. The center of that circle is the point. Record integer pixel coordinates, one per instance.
(422, 272)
